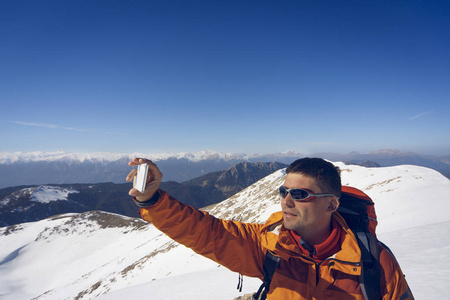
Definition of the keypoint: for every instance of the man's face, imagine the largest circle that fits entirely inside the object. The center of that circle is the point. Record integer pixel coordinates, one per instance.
(309, 215)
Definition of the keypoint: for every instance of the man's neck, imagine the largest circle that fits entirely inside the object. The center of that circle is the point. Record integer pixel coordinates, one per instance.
(315, 236)
(325, 249)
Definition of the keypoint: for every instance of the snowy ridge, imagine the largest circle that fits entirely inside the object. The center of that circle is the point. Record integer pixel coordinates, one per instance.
(254, 204)
(422, 192)
(387, 187)
(96, 254)
(42, 194)
(46, 194)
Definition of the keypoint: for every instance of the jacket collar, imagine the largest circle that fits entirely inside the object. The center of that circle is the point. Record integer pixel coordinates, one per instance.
(277, 239)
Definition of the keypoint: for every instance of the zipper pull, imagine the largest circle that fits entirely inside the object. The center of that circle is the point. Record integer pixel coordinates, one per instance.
(311, 249)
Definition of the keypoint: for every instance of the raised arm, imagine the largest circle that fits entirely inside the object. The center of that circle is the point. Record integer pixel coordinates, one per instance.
(234, 245)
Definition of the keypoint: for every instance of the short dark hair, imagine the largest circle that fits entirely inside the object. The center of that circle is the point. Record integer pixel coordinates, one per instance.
(326, 175)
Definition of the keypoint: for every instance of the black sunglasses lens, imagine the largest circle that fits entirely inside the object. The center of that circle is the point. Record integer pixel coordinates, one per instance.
(298, 194)
(283, 192)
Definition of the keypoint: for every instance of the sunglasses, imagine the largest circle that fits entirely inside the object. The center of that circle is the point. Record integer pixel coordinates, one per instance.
(301, 194)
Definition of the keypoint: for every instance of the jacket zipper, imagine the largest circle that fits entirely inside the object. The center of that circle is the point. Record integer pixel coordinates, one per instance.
(317, 273)
(317, 265)
(312, 252)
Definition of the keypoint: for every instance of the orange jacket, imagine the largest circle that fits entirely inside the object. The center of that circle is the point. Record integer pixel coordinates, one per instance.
(241, 247)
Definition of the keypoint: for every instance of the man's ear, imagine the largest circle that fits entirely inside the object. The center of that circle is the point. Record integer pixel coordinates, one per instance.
(333, 204)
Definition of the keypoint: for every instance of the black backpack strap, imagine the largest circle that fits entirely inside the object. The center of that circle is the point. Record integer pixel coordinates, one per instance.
(271, 263)
(370, 274)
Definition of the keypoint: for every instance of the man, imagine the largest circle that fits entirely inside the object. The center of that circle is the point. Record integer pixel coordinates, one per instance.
(320, 257)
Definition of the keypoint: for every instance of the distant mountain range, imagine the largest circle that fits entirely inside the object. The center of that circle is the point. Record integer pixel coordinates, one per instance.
(36, 168)
(31, 203)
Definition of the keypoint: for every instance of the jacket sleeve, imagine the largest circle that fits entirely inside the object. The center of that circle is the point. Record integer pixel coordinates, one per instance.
(394, 284)
(232, 244)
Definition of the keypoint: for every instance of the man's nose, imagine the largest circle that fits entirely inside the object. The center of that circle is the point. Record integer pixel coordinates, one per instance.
(288, 201)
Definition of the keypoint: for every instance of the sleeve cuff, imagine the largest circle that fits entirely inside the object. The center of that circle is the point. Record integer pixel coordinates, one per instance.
(150, 202)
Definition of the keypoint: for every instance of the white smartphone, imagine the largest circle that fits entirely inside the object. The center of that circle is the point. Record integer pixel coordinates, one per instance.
(141, 177)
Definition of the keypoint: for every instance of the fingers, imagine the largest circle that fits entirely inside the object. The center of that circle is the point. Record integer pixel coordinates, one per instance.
(153, 171)
(154, 178)
(131, 175)
(136, 161)
(134, 192)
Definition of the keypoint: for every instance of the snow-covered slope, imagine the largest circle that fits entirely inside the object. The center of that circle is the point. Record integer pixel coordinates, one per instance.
(42, 194)
(417, 250)
(98, 254)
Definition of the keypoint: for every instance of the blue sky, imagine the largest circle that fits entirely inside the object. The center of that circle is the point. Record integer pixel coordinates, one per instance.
(230, 76)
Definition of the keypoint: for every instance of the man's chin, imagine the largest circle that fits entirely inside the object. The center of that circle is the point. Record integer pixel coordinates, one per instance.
(288, 224)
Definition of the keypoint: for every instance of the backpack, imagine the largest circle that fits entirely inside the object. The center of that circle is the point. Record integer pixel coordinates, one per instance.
(358, 211)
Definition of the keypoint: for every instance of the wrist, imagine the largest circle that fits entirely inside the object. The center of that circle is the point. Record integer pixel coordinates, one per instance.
(148, 202)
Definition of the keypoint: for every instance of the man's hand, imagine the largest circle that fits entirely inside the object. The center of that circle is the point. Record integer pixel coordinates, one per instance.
(154, 177)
